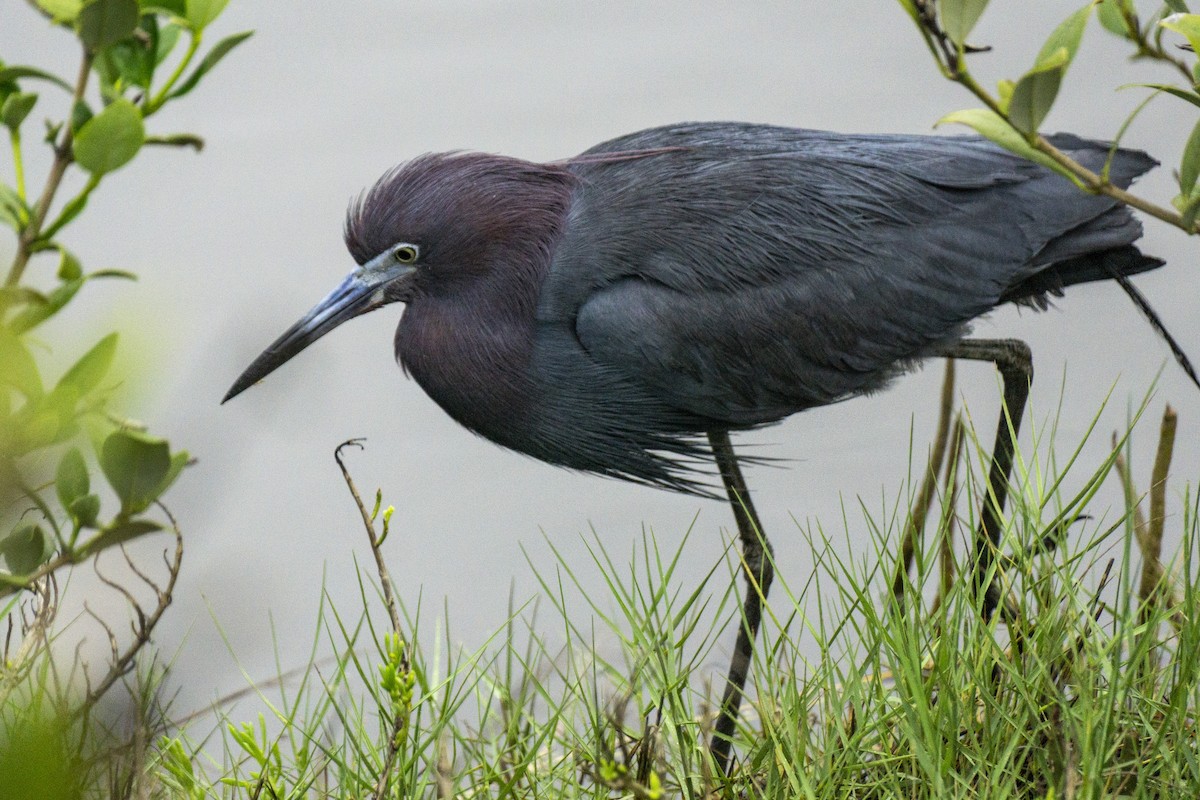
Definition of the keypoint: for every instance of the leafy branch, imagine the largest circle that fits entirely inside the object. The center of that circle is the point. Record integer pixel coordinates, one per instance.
(1013, 114)
(125, 47)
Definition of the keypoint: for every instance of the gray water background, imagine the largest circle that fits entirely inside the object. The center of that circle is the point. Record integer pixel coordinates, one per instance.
(234, 244)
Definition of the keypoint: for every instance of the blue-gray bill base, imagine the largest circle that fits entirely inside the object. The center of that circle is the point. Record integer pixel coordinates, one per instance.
(622, 311)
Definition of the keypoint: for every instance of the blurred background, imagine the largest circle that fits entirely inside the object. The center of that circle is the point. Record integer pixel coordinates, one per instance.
(234, 244)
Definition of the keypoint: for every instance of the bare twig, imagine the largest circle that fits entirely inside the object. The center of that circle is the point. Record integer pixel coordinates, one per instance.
(11, 584)
(34, 634)
(443, 772)
(143, 628)
(400, 717)
(947, 526)
(385, 577)
(1152, 570)
(1147, 48)
(1148, 534)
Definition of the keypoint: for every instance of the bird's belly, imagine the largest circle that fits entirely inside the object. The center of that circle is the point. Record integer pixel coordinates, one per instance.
(559, 406)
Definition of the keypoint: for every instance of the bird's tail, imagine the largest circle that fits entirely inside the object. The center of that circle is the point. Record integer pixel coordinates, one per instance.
(1156, 322)
(1106, 265)
(1116, 264)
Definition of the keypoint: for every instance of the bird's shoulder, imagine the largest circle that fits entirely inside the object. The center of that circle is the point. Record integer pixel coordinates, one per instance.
(726, 206)
(672, 150)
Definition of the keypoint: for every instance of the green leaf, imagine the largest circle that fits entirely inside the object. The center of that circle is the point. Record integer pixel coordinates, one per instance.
(26, 548)
(1109, 13)
(219, 51)
(17, 367)
(106, 22)
(1004, 90)
(111, 138)
(1189, 166)
(71, 481)
(113, 273)
(1182, 94)
(81, 114)
(1186, 24)
(17, 72)
(61, 10)
(993, 127)
(16, 108)
(1067, 35)
(959, 18)
(178, 140)
(174, 8)
(119, 532)
(84, 510)
(14, 212)
(71, 209)
(910, 8)
(42, 427)
(1030, 99)
(69, 268)
(86, 374)
(179, 460)
(1177, 5)
(131, 61)
(37, 313)
(52, 129)
(136, 465)
(199, 13)
(1190, 212)
(20, 295)
(1035, 92)
(168, 36)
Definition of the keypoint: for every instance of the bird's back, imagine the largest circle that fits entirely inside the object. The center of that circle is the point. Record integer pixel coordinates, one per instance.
(730, 275)
(764, 270)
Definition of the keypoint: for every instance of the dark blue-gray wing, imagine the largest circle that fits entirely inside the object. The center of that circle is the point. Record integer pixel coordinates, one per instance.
(748, 272)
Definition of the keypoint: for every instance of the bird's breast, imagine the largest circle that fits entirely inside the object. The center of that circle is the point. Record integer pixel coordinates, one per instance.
(477, 368)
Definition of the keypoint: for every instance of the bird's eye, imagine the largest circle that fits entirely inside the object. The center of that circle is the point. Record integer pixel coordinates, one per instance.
(405, 253)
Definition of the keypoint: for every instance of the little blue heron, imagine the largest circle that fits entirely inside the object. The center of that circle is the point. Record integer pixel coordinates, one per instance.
(611, 312)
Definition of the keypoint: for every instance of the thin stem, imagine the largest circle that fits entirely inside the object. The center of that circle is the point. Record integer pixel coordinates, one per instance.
(70, 210)
(154, 103)
(924, 499)
(385, 576)
(14, 135)
(1153, 50)
(1151, 544)
(11, 584)
(1095, 183)
(62, 159)
(144, 627)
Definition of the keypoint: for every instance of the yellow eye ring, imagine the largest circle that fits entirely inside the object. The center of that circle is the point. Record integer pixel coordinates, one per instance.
(405, 253)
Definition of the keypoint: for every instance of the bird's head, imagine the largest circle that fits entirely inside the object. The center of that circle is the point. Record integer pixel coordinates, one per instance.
(434, 226)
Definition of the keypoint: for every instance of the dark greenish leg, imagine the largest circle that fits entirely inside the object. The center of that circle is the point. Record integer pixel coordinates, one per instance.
(757, 561)
(1015, 362)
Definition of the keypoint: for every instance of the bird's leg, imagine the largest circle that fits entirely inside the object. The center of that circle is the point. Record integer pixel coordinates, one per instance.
(1015, 362)
(757, 559)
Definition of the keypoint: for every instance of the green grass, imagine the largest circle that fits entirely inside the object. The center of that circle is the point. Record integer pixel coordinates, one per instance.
(1087, 688)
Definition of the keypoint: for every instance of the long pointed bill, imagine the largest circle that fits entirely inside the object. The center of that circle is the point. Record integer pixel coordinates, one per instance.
(360, 292)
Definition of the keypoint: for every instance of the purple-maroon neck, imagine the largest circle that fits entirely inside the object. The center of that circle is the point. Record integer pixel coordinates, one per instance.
(487, 227)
